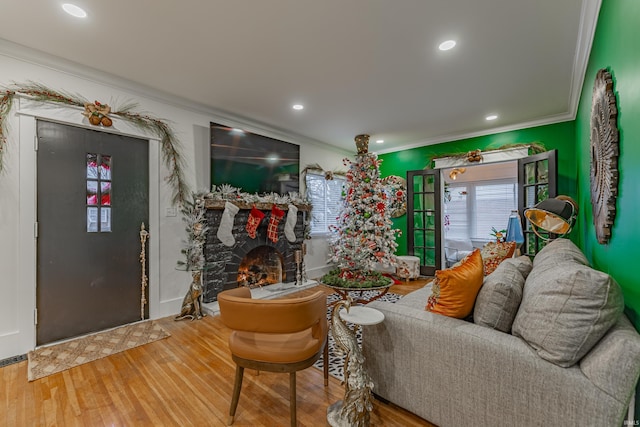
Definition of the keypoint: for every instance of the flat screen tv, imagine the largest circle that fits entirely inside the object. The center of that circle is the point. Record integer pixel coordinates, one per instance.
(252, 162)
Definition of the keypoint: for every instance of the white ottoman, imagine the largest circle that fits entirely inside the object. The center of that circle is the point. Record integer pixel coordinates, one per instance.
(408, 267)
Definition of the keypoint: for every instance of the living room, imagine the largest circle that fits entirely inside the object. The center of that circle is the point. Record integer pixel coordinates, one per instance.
(610, 44)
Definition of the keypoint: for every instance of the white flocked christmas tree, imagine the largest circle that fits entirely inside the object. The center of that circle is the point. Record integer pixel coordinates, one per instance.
(364, 234)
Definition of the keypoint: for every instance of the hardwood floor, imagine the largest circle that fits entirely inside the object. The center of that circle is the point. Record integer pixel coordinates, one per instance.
(185, 380)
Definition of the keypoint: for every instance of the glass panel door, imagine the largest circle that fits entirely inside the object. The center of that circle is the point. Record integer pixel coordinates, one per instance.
(423, 221)
(537, 181)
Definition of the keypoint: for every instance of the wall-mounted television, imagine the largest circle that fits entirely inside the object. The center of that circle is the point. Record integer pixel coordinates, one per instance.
(252, 162)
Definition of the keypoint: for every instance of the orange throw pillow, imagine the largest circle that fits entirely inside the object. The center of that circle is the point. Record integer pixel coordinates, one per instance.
(454, 290)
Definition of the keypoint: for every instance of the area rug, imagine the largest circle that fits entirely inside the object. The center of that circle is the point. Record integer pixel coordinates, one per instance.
(336, 361)
(59, 357)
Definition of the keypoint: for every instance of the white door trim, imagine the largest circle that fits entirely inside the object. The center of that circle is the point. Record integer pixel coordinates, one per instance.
(29, 112)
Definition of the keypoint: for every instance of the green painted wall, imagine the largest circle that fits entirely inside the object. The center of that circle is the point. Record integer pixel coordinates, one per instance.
(559, 136)
(615, 47)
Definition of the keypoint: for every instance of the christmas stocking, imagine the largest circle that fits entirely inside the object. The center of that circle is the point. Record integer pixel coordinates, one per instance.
(274, 220)
(226, 224)
(290, 224)
(255, 216)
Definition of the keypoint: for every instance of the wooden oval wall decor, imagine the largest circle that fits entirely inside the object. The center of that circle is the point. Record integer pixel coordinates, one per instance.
(604, 155)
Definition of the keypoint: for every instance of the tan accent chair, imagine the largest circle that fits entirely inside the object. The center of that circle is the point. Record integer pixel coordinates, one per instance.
(281, 335)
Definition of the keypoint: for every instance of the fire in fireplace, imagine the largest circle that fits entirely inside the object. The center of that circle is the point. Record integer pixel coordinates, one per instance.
(261, 266)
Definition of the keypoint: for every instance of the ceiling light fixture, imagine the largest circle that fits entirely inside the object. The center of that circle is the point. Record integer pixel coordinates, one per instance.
(74, 10)
(491, 117)
(379, 141)
(298, 107)
(447, 45)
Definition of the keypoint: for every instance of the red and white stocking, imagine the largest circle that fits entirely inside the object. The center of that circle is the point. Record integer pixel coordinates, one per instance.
(255, 216)
(274, 220)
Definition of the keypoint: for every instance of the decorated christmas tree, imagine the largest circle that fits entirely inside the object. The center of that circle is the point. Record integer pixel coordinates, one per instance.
(364, 236)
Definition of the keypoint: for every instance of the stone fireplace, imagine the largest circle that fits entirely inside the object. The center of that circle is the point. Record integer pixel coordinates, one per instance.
(249, 262)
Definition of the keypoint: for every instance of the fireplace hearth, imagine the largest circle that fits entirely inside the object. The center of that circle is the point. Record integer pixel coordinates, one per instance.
(248, 262)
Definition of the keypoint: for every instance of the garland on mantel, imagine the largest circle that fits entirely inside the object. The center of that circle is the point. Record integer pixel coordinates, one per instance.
(41, 93)
(229, 193)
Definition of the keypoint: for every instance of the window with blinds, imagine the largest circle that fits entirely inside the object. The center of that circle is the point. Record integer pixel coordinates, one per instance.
(326, 199)
(472, 209)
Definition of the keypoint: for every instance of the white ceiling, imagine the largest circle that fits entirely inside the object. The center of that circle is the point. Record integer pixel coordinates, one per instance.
(358, 66)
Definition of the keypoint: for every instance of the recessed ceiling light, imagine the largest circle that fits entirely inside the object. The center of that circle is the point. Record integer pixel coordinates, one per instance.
(74, 10)
(379, 141)
(491, 117)
(298, 107)
(446, 45)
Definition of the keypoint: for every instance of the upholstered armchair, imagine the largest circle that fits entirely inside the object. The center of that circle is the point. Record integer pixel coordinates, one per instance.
(281, 335)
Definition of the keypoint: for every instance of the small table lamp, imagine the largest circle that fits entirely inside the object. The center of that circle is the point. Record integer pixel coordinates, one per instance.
(556, 216)
(514, 229)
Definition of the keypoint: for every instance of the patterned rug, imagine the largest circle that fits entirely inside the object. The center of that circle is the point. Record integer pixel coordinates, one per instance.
(59, 357)
(336, 361)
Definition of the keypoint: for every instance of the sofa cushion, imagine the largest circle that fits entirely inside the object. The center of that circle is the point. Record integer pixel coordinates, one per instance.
(557, 252)
(454, 290)
(499, 298)
(493, 253)
(566, 308)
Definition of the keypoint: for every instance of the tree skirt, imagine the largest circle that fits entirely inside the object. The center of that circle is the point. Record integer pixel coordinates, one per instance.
(59, 357)
(336, 361)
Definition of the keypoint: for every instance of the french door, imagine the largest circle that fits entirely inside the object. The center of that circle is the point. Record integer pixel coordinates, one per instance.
(537, 180)
(92, 196)
(424, 212)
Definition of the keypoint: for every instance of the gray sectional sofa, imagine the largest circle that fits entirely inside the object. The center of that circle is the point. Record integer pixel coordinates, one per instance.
(549, 347)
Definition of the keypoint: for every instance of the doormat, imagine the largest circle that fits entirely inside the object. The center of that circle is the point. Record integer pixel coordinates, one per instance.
(336, 361)
(49, 360)
(11, 360)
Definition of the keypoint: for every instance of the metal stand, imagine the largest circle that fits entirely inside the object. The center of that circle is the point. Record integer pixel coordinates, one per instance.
(354, 410)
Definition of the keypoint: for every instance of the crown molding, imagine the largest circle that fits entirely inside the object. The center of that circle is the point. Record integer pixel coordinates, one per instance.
(559, 118)
(73, 69)
(587, 29)
(586, 33)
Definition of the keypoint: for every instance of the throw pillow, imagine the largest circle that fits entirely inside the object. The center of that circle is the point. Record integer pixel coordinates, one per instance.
(493, 253)
(522, 263)
(455, 289)
(499, 298)
(566, 308)
(559, 251)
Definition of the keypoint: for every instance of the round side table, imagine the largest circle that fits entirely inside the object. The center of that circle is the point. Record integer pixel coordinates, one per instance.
(361, 315)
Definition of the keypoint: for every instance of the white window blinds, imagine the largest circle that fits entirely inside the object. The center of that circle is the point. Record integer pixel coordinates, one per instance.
(473, 209)
(326, 199)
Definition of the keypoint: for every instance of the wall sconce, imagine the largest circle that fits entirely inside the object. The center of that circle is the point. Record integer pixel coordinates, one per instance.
(556, 216)
(455, 172)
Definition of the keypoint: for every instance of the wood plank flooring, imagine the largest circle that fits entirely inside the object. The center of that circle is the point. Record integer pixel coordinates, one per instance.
(185, 380)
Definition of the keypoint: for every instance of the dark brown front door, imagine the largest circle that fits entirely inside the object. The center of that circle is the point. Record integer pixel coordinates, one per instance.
(92, 197)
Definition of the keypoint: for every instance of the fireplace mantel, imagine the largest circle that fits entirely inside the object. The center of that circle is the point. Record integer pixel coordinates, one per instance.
(263, 206)
(224, 261)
